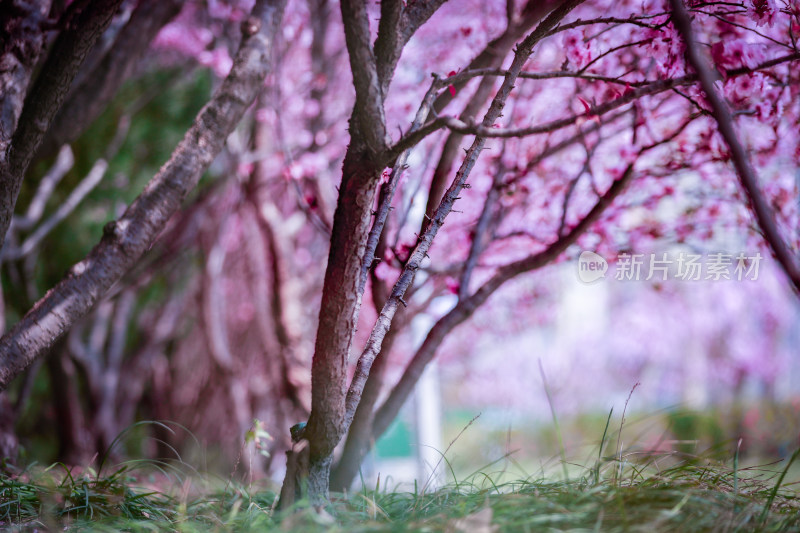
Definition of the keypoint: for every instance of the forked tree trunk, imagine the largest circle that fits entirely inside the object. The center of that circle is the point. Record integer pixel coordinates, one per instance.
(308, 465)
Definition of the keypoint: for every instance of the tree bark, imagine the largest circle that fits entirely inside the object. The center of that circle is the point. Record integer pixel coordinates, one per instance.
(46, 96)
(338, 318)
(342, 292)
(125, 240)
(20, 47)
(341, 301)
(88, 100)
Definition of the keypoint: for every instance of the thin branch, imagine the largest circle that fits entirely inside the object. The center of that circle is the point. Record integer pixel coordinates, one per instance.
(741, 162)
(480, 230)
(611, 51)
(44, 192)
(125, 240)
(488, 218)
(650, 89)
(466, 75)
(80, 192)
(384, 321)
(636, 21)
(387, 191)
(86, 185)
(720, 17)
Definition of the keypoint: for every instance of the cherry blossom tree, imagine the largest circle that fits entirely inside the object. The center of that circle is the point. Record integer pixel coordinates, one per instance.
(546, 127)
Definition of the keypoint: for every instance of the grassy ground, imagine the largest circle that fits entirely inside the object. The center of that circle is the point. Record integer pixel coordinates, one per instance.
(613, 494)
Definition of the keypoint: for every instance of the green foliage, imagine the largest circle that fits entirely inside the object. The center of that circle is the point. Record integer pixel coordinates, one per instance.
(259, 436)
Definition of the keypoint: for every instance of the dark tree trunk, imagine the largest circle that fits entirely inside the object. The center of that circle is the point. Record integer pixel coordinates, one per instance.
(340, 306)
(75, 443)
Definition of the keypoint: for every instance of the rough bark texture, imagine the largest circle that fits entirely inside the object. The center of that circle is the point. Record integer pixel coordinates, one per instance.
(341, 301)
(93, 94)
(338, 317)
(46, 96)
(21, 42)
(125, 240)
(341, 294)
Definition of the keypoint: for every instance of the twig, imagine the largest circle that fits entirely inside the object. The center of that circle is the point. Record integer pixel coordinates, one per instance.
(649, 89)
(64, 162)
(387, 190)
(747, 177)
(77, 195)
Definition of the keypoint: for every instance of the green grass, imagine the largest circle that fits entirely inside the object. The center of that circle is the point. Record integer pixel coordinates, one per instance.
(615, 494)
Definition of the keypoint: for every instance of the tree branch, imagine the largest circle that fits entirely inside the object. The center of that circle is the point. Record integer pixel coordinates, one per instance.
(368, 109)
(741, 162)
(384, 321)
(87, 101)
(387, 191)
(46, 97)
(398, 24)
(44, 191)
(480, 231)
(77, 195)
(656, 87)
(467, 306)
(23, 40)
(636, 21)
(125, 240)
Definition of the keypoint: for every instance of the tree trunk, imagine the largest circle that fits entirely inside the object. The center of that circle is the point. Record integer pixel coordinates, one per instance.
(341, 303)
(75, 443)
